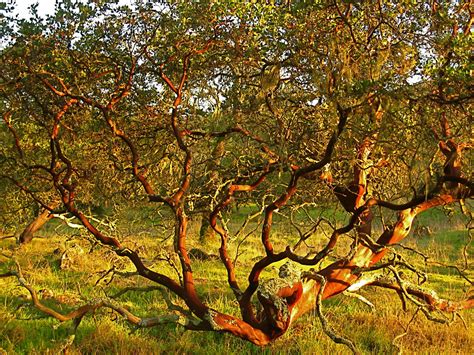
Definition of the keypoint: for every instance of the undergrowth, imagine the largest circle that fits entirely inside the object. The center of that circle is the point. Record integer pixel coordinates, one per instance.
(25, 330)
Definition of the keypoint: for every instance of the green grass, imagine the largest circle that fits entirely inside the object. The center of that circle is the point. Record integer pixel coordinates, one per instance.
(25, 330)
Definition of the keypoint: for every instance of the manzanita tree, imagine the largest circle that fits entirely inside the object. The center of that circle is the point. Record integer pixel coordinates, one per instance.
(203, 107)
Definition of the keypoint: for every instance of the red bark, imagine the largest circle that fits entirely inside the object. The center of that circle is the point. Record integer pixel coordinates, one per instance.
(28, 233)
(285, 299)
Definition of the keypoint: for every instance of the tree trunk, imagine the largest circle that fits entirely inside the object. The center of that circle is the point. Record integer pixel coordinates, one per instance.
(206, 232)
(286, 298)
(28, 233)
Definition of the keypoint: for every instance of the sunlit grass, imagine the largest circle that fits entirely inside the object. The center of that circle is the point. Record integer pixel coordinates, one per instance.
(25, 330)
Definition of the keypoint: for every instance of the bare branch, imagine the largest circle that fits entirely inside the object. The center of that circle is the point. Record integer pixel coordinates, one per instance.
(324, 322)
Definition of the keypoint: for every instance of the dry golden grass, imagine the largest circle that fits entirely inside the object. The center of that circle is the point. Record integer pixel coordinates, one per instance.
(22, 330)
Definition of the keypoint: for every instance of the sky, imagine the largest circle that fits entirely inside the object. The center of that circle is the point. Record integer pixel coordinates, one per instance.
(44, 7)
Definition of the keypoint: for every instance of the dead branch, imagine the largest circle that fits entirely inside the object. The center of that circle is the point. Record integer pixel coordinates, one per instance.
(330, 332)
(406, 328)
(430, 298)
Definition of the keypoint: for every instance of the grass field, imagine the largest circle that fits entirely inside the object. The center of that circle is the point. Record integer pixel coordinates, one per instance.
(23, 329)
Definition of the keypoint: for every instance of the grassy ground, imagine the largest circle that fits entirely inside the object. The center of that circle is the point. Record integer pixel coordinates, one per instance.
(24, 330)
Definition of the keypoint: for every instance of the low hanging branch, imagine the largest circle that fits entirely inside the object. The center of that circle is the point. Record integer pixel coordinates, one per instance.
(77, 314)
(324, 322)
